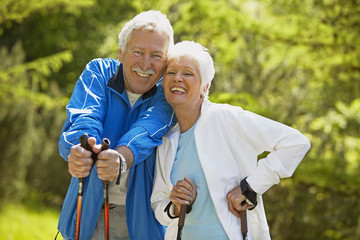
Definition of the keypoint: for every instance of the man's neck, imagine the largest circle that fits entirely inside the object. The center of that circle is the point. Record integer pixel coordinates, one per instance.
(133, 97)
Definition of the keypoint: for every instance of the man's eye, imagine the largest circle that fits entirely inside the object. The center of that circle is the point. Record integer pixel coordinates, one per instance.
(137, 53)
(156, 56)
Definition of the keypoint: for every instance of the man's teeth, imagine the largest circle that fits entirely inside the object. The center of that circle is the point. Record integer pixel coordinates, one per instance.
(143, 74)
(178, 89)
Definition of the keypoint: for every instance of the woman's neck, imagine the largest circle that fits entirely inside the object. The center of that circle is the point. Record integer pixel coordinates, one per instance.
(187, 116)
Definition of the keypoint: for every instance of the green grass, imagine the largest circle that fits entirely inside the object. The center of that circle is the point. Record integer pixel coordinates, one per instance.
(30, 222)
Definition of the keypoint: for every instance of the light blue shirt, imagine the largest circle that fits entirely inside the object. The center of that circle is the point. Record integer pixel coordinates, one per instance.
(202, 222)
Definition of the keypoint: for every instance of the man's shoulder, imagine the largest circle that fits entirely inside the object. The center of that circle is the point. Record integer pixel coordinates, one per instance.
(104, 62)
(102, 67)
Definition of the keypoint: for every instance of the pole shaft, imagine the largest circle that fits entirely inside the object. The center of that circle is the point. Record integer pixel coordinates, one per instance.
(104, 146)
(244, 228)
(181, 220)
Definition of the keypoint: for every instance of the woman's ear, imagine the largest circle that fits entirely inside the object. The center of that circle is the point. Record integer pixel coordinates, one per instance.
(207, 87)
(204, 90)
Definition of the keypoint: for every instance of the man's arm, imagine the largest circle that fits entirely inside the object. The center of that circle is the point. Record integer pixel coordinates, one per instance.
(146, 133)
(85, 110)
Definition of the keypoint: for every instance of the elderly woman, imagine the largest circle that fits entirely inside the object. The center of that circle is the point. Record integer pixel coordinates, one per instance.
(209, 159)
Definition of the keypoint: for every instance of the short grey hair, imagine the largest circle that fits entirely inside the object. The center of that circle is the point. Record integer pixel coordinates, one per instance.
(201, 56)
(150, 20)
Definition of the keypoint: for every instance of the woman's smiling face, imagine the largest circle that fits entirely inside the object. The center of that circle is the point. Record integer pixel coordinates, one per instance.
(182, 82)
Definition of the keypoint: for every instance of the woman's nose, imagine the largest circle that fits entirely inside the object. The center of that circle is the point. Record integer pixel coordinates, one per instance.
(178, 77)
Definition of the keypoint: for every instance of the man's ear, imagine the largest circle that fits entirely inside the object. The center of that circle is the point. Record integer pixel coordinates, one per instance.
(120, 55)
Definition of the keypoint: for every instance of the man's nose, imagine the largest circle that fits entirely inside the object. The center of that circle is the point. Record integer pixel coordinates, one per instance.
(146, 63)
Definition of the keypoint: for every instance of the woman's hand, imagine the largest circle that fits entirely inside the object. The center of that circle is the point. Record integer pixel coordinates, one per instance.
(183, 193)
(237, 202)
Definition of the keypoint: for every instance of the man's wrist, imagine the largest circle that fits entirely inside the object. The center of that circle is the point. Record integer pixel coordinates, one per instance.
(123, 164)
(122, 168)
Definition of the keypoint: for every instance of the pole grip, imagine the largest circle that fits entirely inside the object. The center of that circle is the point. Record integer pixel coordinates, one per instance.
(105, 144)
(84, 143)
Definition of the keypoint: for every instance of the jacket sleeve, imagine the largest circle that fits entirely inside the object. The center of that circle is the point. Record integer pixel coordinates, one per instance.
(161, 189)
(146, 133)
(286, 147)
(86, 108)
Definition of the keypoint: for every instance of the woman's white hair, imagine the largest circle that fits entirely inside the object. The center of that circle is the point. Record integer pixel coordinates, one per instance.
(201, 56)
(150, 20)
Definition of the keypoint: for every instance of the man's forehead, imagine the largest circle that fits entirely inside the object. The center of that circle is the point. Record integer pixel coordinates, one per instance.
(142, 38)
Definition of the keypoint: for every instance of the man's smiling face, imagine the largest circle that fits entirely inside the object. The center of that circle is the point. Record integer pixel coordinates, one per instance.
(143, 60)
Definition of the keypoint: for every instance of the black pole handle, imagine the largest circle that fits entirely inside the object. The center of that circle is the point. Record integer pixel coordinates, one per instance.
(84, 143)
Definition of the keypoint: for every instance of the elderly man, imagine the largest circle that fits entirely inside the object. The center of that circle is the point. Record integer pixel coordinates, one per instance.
(121, 100)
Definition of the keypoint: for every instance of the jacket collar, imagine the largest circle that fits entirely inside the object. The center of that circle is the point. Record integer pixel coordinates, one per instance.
(175, 130)
(116, 82)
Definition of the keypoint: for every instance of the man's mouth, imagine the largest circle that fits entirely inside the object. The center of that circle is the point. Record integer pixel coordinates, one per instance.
(142, 73)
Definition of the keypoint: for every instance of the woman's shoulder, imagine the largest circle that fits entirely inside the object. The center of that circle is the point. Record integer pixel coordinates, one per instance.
(221, 109)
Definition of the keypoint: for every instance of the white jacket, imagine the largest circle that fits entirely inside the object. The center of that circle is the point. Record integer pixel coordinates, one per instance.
(228, 140)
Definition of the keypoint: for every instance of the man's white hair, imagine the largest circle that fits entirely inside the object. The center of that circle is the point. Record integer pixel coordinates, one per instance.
(150, 20)
(201, 56)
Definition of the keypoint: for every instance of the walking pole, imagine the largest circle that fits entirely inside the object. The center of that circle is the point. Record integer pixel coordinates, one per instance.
(243, 218)
(181, 220)
(78, 209)
(105, 146)
(86, 146)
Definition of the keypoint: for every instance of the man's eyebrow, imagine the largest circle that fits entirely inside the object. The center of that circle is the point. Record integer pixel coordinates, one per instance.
(157, 51)
(137, 48)
(141, 48)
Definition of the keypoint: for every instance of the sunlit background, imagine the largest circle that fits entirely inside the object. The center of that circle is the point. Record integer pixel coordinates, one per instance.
(297, 62)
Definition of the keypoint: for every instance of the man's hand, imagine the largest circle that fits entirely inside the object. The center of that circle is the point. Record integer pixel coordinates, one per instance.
(183, 193)
(80, 161)
(108, 165)
(237, 201)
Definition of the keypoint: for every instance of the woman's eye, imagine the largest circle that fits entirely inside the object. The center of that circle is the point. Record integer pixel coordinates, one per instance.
(170, 73)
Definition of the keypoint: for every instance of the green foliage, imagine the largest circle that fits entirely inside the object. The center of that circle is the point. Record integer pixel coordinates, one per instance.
(296, 62)
(31, 115)
(299, 211)
(31, 222)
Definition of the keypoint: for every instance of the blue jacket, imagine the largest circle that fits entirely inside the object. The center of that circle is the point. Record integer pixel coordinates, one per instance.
(99, 106)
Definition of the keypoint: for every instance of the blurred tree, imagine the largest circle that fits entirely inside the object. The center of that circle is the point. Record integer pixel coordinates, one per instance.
(296, 62)
(31, 105)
